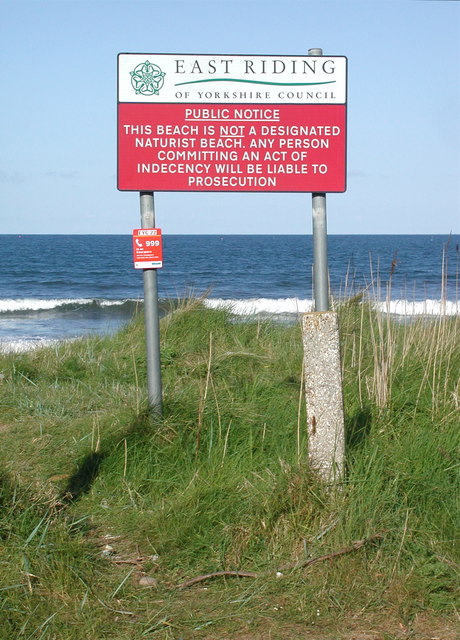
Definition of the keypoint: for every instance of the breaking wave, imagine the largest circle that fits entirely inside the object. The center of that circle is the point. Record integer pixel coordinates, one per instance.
(253, 306)
(34, 305)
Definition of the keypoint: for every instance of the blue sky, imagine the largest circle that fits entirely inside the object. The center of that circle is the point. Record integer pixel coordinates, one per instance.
(58, 111)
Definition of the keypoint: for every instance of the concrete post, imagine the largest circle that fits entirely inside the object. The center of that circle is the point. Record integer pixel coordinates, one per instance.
(323, 393)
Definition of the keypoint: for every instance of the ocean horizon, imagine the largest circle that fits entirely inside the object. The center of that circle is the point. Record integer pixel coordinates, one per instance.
(59, 286)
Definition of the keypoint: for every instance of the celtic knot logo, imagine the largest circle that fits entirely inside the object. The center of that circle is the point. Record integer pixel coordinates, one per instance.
(147, 79)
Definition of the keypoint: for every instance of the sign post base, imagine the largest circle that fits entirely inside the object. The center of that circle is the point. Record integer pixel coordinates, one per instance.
(323, 394)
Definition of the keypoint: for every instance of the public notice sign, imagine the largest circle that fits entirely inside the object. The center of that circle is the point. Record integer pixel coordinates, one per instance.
(231, 123)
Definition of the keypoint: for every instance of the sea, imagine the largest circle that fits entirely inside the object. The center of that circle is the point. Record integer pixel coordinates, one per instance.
(61, 287)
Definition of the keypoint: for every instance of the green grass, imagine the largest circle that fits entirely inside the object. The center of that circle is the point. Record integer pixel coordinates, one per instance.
(221, 482)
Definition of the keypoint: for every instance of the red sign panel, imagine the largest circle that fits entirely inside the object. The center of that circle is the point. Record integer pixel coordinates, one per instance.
(232, 147)
(147, 249)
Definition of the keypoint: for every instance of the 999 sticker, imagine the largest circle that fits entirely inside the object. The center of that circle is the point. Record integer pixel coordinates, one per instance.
(147, 249)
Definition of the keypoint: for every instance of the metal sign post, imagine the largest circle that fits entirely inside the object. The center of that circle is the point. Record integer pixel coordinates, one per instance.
(152, 319)
(320, 276)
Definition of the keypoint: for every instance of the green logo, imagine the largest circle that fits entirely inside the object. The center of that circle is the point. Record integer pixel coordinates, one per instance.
(147, 79)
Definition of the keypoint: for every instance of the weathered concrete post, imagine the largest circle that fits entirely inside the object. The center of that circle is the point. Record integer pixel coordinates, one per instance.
(323, 394)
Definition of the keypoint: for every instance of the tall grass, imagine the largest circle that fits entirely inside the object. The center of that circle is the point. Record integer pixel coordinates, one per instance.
(220, 481)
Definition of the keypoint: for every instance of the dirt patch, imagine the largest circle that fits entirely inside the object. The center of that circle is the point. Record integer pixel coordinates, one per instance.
(369, 628)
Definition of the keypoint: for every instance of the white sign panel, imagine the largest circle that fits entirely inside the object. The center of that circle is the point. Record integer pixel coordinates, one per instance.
(166, 78)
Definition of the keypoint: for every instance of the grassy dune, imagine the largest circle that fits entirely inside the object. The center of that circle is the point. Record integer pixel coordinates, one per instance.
(98, 496)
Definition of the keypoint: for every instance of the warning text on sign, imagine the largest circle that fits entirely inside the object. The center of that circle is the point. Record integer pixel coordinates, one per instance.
(178, 147)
